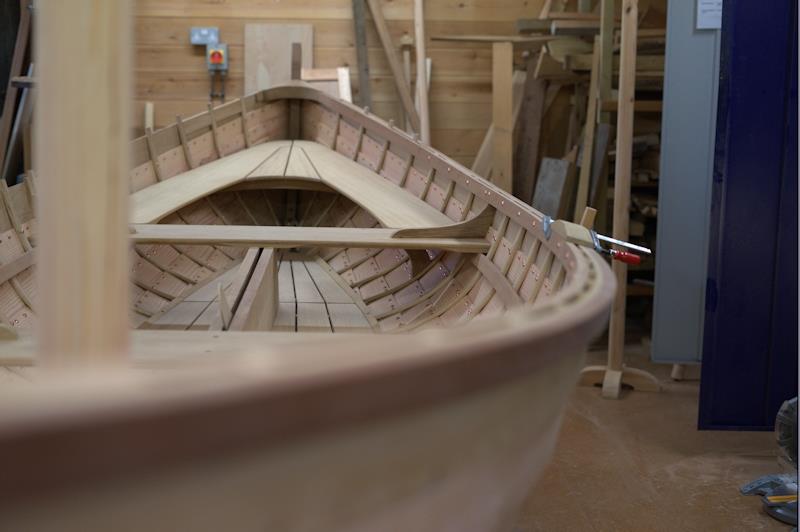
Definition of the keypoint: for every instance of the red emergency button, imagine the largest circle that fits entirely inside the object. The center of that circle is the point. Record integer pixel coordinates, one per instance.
(216, 57)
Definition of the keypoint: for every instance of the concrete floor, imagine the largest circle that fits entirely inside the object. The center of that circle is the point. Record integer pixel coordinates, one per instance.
(640, 464)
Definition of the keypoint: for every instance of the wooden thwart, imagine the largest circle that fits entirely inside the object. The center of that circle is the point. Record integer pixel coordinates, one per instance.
(296, 237)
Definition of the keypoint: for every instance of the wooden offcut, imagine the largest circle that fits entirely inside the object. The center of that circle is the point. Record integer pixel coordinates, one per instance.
(554, 187)
(268, 53)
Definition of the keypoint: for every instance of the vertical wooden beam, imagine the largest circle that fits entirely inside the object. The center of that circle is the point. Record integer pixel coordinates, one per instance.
(406, 43)
(149, 116)
(422, 73)
(82, 133)
(362, 58)
(502, 114)
(394, 62)
(622, 192)
(582, 195)
(606, 53)
(530, 131)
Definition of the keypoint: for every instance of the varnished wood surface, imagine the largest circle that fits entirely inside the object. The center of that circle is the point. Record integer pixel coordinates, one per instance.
(297, 237)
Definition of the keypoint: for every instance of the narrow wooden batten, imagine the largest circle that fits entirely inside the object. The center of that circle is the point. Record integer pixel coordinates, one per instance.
(83, 58)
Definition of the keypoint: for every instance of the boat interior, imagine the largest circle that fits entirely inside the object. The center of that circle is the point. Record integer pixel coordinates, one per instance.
(306, 215)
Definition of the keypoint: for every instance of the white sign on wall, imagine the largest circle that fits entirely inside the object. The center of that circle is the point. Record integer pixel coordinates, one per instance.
(709, 14)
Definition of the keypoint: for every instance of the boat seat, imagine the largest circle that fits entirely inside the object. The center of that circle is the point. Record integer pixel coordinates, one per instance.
(306, 160)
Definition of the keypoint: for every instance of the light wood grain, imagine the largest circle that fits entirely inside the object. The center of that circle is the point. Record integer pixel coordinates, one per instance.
(293, 237)
(622, 186)
(268, 53)
(82, 160)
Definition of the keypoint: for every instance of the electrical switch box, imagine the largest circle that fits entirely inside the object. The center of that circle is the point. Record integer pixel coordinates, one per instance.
(204, 35)
(217, 57)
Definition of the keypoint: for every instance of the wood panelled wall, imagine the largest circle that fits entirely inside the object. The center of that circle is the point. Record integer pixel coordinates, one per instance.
(171, 73)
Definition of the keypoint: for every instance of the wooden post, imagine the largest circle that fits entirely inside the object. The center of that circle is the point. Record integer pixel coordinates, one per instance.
(422, 73)
(582, 195)
(606, 53)
(394, 63)
(149, 116)
(82, 147)
(406, 43)
(502, 114)
(622, 192)
(614, 373)
(359, 22)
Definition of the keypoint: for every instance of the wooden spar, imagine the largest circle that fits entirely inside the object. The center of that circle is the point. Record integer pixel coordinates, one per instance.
(622, 192)
(394, 63)
(406, 44)
(422, 73)
(296, 237)
(502, 114)
(582, 195)
(82, 157)
(615, 373)
(606, 53)
(362, 58)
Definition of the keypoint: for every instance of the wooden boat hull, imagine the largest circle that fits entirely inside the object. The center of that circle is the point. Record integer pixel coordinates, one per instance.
(445, 426)
(465, 465)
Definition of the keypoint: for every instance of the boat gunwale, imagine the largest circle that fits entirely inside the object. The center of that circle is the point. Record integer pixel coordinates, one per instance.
(449, 363)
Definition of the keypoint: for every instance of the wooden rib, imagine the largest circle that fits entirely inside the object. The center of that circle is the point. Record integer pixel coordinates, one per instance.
(151, 149)
(498, 281)
(247, 143)
(184, 142)
(11, 269)
(214, 133)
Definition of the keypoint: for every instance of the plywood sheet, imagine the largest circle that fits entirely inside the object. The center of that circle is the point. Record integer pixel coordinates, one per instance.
(268, 53)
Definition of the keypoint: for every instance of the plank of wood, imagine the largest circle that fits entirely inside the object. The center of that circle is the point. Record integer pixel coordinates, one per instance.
(644, 63)
(360, 27)
(587, 150)
(640, 106)
(422, 73)
(332, 81)
(502, 115)
(482, 165)
(268, 53)
(306, 290)
(152, 203)
(377, 195)
(17, 64)
(258, 305)
(530, 131)
(606, 53)
(149, 116)
(533, 25)
(82, 158)
(622, 182)
(554, 187)
(286, 237)
(10, 270)
(575, 27)
(394, 63)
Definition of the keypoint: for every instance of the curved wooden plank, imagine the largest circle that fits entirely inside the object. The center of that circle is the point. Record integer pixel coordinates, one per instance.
(153, 203)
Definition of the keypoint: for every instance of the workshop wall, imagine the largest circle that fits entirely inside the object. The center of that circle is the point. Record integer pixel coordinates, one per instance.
(171, 73)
